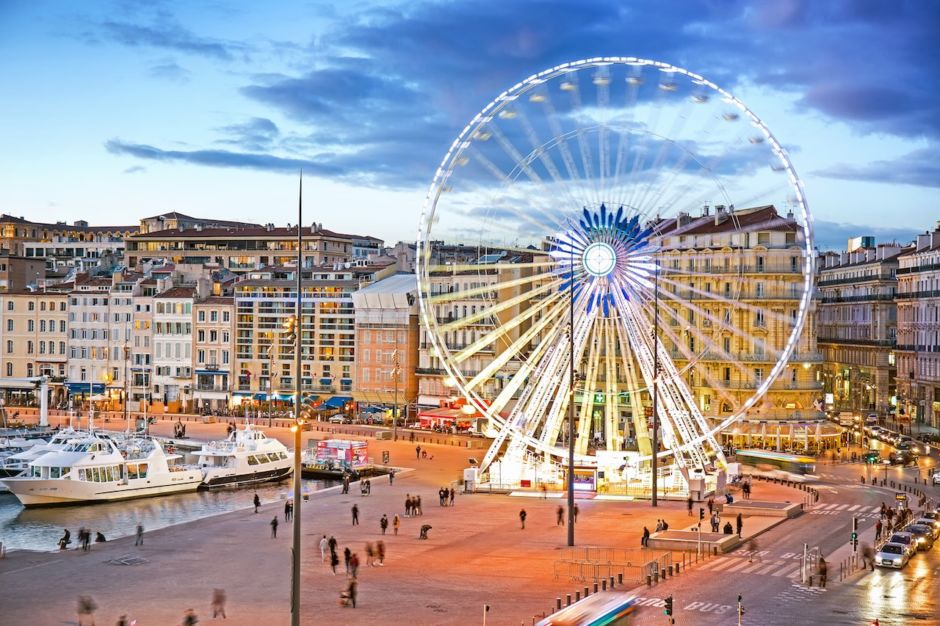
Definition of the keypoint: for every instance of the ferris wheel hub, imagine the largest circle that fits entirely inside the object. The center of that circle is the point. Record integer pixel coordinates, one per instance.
(599, 259)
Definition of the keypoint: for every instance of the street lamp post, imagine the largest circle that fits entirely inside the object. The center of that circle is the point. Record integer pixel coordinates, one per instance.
(395, 371)
(571, 399)
(655, 441)
(298, 326)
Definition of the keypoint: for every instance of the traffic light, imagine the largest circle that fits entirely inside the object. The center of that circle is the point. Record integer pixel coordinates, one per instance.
(668, 608)
(854, 540)
(701, 513)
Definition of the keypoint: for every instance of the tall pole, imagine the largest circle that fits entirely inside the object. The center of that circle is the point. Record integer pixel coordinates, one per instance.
(395, 362)
(127, 424)
(298, 327)
(655, 442)
(571, 399)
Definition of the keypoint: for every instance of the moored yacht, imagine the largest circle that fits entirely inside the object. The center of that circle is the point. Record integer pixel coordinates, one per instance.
(18, 462)
(92, 468)
(247, 456)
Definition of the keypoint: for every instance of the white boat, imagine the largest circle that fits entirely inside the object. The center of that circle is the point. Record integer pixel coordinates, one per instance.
(246, 457)
(18, 462)
(92, 468)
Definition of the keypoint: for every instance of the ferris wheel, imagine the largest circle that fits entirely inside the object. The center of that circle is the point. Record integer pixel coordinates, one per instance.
(630, 221)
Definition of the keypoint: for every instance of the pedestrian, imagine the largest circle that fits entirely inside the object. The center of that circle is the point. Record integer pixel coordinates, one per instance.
(418, 452)
(453, 494)
(368, 487)
(355, 515)
(370, 555)
(66, 539)
(122, 621)
(739, 523)
(189, 618)
(380, 552)
(332, 543)
(716, 521)
(522, 516)
(440, 496)
(823, 572)
(86, 608)
(665, 523)
(287, 506)
(408, 504)
(645, 540)
(347, 558)
(140, 535)
(396, 522)
(868, 558)
(417, 506)
(345, 483)
(391, 477)
(257, 502)
(659, 524)
(274, 527)
(560, 514)
(334, 561)
(688, 505)
(324, 544)
(576, 511)
(711, 504)
(349, 596)
(752, 550)
(878, 530)
(728, 530)
(383, 523)
(354, 565)
(544, 489)
(218, 603)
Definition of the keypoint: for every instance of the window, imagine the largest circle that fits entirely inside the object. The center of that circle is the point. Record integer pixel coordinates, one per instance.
(61, 326)
(213, 316)
(9, 369)
(9, 346)
(202, 316)
(31, 306)
(758, 375)
(225, 317)
(9, 305)
(10, 325)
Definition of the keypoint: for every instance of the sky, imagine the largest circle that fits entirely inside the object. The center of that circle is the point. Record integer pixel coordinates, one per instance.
(112, 111)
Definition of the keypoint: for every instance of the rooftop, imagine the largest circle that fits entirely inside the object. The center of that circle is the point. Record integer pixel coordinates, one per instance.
(397, 283)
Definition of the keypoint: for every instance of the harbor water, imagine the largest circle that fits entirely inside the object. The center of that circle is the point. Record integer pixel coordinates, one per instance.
(41, 528)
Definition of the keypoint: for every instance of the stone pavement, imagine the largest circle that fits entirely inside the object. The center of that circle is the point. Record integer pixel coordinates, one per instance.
(476, 554)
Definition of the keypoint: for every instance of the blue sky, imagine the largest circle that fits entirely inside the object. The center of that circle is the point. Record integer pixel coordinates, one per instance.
(116, 110)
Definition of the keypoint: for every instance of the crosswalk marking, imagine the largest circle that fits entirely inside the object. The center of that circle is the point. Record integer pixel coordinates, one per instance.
(787, 571)
(842, 507)
(753, 567)
(738, 566)
(770, 567)
(854, 506)
(723, 564)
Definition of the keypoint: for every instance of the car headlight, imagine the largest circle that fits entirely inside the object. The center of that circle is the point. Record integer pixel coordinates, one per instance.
(921, 540)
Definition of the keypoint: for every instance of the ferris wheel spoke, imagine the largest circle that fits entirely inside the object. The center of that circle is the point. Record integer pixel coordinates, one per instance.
(450, 296)
(644, 444)
(587, 401)
(489, 312)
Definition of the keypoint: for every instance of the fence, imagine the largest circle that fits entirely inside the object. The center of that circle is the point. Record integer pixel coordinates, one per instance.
(601, 563)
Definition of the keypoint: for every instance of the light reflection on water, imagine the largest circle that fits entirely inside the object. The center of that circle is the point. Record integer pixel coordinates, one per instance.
(40, 529)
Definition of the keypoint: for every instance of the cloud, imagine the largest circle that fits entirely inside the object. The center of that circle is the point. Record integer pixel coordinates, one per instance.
(835, 235)
(256, 134)
(136, 169)
(170, 71)
(221, 158)
(920, 167)
(166, 34)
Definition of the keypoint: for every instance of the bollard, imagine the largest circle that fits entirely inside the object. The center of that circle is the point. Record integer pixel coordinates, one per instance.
(603, 585)
(587, 592)
(670, 570)
(611, 582)
(595, 587)
(568, 599)
(663, 575)
(656, 576)
(557, 604)
(677, 569)
(715, 551)
(577, 596)
(649, 580)
(620, 578)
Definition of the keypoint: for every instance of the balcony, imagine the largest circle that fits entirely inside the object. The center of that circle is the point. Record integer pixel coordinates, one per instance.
(213, 387)
(856, 280)
(919, 268)
(883, 343)
(916, 295)
(430, 371)
(883, 297)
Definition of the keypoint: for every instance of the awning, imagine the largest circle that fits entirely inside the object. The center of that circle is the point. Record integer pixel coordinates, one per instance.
(336, 402)
(374, 409)
(326, 380)
(24, 385)
(83, 387)
(212, 372)
(241, 393)
(345, 381)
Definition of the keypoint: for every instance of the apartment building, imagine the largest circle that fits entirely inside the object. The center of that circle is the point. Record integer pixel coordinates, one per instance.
(173, 347)
(61, 243)
(19, 273)
(387, 334)
(753, 257)
(264, 355)
(213, 351)
(34, 337)
(239, 247)
(918, 344)
(857, 326)
(141, 352)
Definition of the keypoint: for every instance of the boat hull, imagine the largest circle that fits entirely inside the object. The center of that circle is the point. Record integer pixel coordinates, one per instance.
(33, 492)
(219, 479)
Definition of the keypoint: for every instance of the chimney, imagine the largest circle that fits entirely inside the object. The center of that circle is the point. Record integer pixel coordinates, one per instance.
(720, 214)
(706, 210)
(269, 227)
(923, 241)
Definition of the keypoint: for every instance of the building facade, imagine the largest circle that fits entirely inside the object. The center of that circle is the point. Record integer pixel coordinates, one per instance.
(213, 351)
(34, 337)
(387, 334)
(857, 327)
(173, 348)
(918, 349)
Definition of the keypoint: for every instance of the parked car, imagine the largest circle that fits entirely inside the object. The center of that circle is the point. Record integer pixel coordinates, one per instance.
(338, 419)
(923, 536)
(931, 523)
(936, 478)
(892, 555)
(872, 456)
(905, 539)
(871, 418)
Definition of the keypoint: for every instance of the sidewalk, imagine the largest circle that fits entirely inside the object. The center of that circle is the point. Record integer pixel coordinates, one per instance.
(476, 554)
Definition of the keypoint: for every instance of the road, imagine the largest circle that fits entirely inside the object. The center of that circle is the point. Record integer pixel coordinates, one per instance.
(768, 577)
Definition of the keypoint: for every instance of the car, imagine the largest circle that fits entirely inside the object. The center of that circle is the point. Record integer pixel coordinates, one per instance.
(908, 446)
(923, 536)
(931, 523)
(872, 456)
(892, 555)
(906, 539)
(338, 419)
(871, 418)
(936, 478)
(902, 457)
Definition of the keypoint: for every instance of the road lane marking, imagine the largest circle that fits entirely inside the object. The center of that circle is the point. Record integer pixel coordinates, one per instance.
(767, 569)
(753, 567)
(725, 564)
(842, 507)
(743, 563)
(855, 506)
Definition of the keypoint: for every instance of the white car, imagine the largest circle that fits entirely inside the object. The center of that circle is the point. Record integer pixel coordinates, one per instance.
(872, 418)
(892, 555)
(936, 478)
(905, 539)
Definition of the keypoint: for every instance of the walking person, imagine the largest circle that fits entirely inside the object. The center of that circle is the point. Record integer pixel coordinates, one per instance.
(86, 610)
(370, 555)
(417, 506)
(452, 496)
(408, 504)
(334, 561)
(752, 549)
(396, 523)
(522, 516)
(688, 505)
(139, 541)
(380, 552)
(645, 540)
(711, 504)
(355, 515)
(823, 572)
(324, 545)
(391, 477)
(257, 502)
(218, 603)
(418, 452)
(878, 527)
(347, 558)
(189, 618)
(868, 557)
(576, 511)
(383, 523)
(287, 507)
(274, 527)
(739, 523)
(560, 514)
